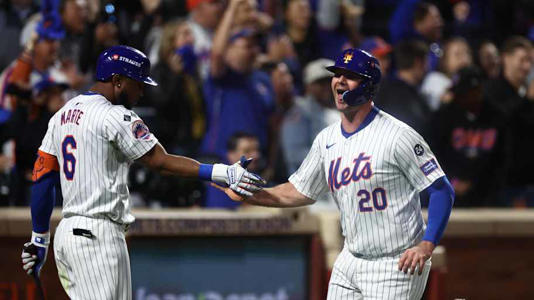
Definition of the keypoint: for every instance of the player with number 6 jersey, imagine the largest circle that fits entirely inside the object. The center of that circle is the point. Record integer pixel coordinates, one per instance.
(88, 148)
(376, 168)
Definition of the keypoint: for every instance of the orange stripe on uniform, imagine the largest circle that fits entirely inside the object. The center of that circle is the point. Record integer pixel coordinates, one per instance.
(44, 164)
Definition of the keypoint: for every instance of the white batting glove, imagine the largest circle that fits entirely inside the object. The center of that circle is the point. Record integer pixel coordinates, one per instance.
(34, 253)
(237, 177)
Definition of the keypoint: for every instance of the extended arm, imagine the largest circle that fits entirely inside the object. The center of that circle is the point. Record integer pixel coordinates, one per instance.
(159, 160)
(235, 175)
(283, 195)
(220, 40)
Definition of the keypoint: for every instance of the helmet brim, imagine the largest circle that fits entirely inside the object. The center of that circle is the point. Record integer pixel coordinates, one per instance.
(341, 70)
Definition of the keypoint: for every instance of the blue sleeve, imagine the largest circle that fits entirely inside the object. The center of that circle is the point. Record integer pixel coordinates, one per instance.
(440, 196)
(43, 196)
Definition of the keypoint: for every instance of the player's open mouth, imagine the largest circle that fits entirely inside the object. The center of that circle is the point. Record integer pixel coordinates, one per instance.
(340, 91)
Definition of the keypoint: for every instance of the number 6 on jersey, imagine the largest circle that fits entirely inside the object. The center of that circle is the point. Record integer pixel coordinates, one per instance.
(69, 161)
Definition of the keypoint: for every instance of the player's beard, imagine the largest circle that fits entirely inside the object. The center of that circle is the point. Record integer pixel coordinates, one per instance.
(123, 100)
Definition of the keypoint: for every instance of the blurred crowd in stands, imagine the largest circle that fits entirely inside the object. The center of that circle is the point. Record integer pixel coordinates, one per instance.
(247, 77)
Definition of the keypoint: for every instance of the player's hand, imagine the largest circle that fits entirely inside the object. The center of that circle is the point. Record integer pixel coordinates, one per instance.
(231, 194)
(237, 178)
(34, 253)
(416, 257)
(243, 182)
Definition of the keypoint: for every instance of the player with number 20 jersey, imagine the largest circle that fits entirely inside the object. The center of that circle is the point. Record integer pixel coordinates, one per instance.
(376, 168)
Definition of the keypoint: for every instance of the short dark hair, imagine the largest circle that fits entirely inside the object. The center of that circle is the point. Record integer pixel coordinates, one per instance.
(407, 52)
(514, 42)
(231, 144)
(421, 10)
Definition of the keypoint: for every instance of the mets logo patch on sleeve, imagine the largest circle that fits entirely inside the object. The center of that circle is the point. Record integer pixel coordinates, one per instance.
(140, 130)
(429, 167)
(418, 150)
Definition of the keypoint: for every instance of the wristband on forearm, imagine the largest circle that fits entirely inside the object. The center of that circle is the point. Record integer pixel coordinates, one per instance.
(216, 172)
(41, 239)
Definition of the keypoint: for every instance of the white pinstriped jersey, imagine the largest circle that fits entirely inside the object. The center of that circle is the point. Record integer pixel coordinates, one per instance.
(375, 176)
(95, 142)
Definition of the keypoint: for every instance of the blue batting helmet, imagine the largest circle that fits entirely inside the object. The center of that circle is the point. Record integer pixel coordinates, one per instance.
(362, 64)
(126, 61)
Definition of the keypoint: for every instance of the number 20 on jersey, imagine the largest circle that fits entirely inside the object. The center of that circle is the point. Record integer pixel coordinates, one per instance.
(372, 201)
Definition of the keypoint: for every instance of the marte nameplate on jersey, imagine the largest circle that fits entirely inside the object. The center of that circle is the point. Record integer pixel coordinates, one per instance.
(72, 116)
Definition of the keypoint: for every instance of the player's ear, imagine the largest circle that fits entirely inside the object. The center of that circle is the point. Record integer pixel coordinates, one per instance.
(117, 80)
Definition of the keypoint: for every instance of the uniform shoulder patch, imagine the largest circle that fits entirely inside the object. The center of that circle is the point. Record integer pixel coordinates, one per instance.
(140, 130)
(429, 167)
(127, 118)
(418, 150)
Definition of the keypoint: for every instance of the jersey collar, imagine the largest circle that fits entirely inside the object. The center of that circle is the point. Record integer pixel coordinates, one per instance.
(90, 93)
(368, 119)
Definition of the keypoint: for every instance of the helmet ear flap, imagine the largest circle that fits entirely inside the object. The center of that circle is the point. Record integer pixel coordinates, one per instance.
(363, 93)
(373, 90)
(370, 89)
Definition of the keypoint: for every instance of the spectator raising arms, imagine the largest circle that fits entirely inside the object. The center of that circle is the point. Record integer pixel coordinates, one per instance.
(238, 97)
(180, 121)
(203, 18)
(301, 29)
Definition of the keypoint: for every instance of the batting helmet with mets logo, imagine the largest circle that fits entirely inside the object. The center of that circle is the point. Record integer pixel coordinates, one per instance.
(358, 63)
(124, 60)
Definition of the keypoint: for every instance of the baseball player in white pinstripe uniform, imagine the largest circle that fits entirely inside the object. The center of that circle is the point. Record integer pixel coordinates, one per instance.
(376, 168)
(89, 146)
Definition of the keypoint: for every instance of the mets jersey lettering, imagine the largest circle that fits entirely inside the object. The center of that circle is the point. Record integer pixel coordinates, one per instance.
(375, 176)
(348, 175)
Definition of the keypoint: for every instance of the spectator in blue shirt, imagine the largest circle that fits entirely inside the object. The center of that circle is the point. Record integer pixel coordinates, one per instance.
(415, 19)
(239, 144)
(238, 97)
